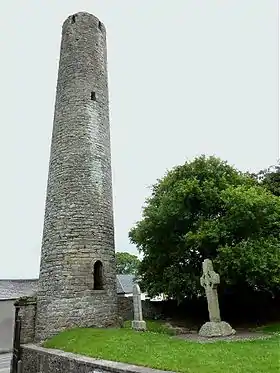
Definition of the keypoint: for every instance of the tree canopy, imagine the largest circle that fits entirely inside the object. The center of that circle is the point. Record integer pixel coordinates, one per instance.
(208, 209)
(270, 179)
(127, 264)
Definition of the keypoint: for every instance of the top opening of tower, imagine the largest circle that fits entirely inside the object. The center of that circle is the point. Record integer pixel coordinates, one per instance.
(83, 18)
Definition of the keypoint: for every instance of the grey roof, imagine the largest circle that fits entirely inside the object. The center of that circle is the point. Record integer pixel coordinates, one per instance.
(119, 286)
(125, 283)
(14, 289)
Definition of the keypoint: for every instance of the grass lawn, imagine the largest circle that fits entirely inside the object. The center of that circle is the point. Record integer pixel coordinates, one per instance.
(158, 349)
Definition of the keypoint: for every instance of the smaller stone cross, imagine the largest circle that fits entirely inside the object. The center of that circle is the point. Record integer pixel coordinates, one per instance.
(138, 323)
(210, 281)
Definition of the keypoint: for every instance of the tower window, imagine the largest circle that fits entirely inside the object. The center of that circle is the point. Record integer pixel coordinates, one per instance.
(93, 96)
(73, 20)
(100, 26)
(98, 276)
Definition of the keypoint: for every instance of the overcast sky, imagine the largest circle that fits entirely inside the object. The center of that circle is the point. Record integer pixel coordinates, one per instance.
(186, 77)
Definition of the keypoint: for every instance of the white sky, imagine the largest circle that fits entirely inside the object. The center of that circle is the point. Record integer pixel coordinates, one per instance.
(186, 77)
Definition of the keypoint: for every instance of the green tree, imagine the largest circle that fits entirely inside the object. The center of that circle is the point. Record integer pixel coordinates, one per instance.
(208, 209)
(270, 178)
(127, 264)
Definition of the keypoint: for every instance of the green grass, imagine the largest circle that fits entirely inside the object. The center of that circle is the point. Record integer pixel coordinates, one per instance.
(154, 327)
(157, 349)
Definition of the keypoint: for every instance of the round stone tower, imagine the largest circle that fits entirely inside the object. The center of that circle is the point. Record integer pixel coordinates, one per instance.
(77, 283)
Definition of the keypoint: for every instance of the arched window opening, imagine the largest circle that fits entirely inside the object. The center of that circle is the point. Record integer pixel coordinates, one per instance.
(98, 276)
(93, 96)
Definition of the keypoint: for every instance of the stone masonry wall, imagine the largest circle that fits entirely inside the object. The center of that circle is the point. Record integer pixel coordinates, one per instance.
(27, 314)
(150, 309)
(125, 307)
(37, 359)
(78, 225)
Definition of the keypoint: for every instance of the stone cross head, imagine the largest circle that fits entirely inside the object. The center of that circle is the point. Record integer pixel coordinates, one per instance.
(209, 277)
(136, 289)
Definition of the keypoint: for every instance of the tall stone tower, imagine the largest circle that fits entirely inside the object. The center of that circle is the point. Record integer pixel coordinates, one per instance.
(77, 283)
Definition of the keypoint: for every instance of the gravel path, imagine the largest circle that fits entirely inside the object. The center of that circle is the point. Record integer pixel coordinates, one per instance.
(241, 335)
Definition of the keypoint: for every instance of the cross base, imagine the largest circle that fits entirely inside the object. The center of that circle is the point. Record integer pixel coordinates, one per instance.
(216, 329)
(139, 325)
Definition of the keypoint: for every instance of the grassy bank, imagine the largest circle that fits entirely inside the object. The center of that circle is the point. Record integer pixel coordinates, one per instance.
(158, 349)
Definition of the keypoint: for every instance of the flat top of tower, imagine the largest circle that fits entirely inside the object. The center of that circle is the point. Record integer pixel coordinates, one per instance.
(85, 17)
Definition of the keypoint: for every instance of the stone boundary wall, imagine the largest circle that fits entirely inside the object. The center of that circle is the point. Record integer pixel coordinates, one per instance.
(38, 359)
(27, 313)
(150, 309)
(125, 307)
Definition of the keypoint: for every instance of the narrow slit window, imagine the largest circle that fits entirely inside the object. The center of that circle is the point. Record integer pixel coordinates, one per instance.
(100, 26)
(98, 276)
(73, 19)
(93, 96)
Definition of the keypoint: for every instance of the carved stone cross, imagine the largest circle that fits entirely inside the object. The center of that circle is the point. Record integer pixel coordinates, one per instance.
(138, 323)
(137, 303)
(210, 281)
(215, 327)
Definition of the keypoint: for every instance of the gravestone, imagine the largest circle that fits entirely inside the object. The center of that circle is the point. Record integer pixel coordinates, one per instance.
(215, 327)
(138, 323)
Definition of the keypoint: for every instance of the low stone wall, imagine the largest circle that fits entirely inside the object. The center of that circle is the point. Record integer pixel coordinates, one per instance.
(125, 307)
(27, 314)
(38, 359)
(150, 309)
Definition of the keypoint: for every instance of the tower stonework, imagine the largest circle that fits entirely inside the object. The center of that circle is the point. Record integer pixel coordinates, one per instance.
(77, 282)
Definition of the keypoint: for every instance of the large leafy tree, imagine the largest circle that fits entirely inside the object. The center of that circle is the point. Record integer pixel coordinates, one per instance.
(127, 264)
(208, 209)
(270, 178)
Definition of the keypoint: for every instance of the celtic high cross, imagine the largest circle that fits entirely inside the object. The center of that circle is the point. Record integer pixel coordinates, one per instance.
(210, 281)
